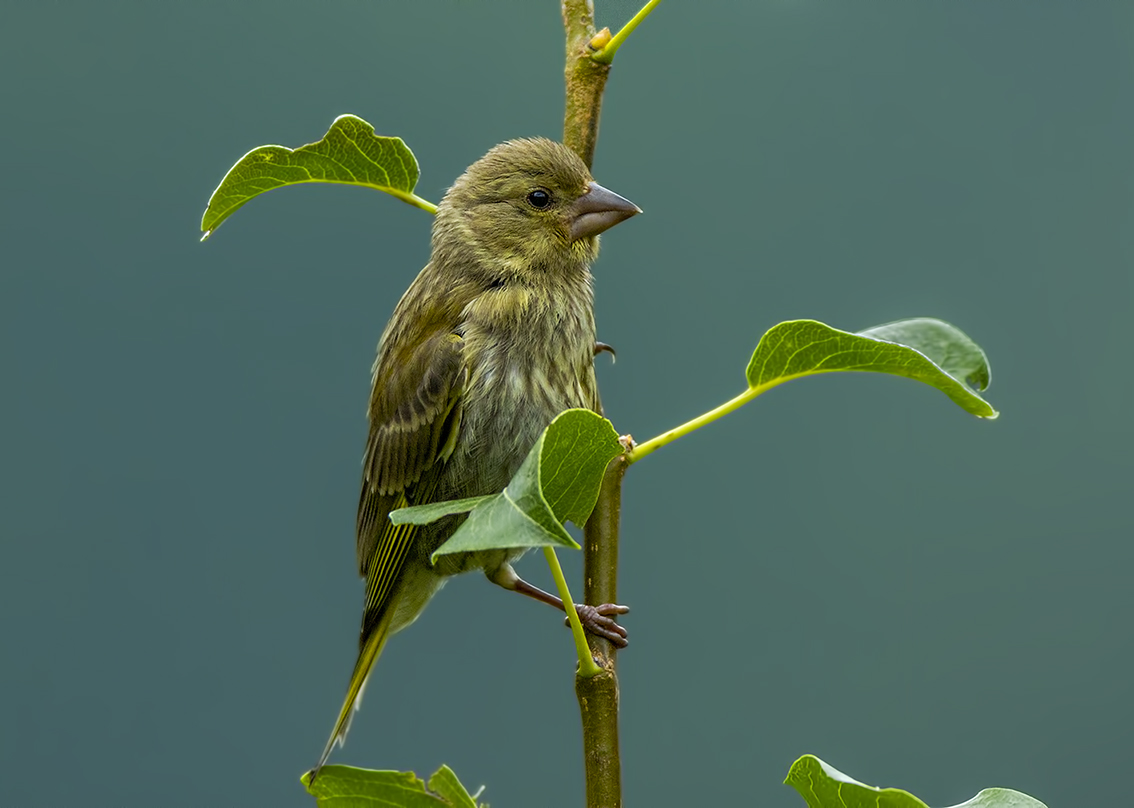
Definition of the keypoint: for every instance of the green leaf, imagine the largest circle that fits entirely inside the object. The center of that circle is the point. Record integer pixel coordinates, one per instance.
(823, 786)
(432, 511)
(805, 347)
(349, 787)
(945, 345)
(517, 517)
(927, 350)
(1001, 798)
(349, 154)
(558, 480)
(445, 784)
(577, 447)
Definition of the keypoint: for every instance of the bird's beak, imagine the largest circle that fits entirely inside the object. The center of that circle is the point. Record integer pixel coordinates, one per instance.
(598, 210)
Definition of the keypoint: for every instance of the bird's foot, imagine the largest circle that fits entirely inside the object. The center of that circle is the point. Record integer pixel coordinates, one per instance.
(597, 620)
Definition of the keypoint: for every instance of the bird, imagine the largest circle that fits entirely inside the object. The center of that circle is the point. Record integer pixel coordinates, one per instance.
(492, 340)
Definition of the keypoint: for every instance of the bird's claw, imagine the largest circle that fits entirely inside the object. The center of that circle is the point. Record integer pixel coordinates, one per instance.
(602, 346)
(597, 621)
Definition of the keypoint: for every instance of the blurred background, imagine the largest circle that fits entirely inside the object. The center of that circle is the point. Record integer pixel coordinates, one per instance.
(851, 566)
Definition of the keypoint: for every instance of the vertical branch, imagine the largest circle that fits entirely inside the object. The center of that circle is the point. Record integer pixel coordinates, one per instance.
(585, 79)
(600, 548)
(598, 695)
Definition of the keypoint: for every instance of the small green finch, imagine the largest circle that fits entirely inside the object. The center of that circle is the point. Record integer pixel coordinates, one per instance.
(493, 339)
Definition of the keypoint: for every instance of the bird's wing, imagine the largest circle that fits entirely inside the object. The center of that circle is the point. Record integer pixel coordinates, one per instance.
(415, 411)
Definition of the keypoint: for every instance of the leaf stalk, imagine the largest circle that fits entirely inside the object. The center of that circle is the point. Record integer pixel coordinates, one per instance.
(653, 444)
(587, 666)
(606, 55)
(415, 200)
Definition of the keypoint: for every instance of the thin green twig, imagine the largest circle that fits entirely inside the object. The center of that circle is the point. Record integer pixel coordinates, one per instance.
(606, 55)
(412, 199)
(653, 444)
(587, 666)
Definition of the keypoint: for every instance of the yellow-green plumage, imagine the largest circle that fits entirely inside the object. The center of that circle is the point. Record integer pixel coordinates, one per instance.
(492, 340)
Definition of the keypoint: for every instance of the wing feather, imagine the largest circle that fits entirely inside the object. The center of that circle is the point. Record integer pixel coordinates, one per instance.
(414, 407)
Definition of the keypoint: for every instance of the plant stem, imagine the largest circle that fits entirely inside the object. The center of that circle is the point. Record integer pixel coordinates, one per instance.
(653, 444)
(587, 666)
(585, 80)
(606, 55)
(598, 695)
(412, 199)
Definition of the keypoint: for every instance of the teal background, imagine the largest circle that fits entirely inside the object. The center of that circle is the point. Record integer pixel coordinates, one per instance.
(851, 566)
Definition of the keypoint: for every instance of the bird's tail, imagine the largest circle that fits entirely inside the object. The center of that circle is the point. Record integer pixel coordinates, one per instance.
(366, 659)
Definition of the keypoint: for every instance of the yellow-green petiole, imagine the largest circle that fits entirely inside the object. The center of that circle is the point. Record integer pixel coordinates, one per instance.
(587, 666)
(606, 54)
(653, 444)
(413, 199)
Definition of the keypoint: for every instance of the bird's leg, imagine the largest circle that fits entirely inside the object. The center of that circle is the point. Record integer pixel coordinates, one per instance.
(597, 620)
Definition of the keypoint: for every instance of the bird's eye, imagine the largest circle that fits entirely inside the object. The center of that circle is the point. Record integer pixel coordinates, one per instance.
(539, 198)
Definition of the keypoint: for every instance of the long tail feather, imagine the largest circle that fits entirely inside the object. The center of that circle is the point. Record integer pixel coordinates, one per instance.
(362, 668)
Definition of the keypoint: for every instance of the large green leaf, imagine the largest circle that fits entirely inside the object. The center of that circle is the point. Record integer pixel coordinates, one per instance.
(824, 786)
(349, 154)
(348, 787)
(517, 517)
(573, 456)
(943, 344)
(805, 347)
(558, 481)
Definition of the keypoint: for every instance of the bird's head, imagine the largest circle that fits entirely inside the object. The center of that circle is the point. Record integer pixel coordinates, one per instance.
(527, 208)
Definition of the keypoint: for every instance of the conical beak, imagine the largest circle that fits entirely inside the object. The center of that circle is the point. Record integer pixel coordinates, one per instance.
(598, 210)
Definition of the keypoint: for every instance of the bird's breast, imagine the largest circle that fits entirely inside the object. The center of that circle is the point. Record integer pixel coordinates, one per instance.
(520, 378)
